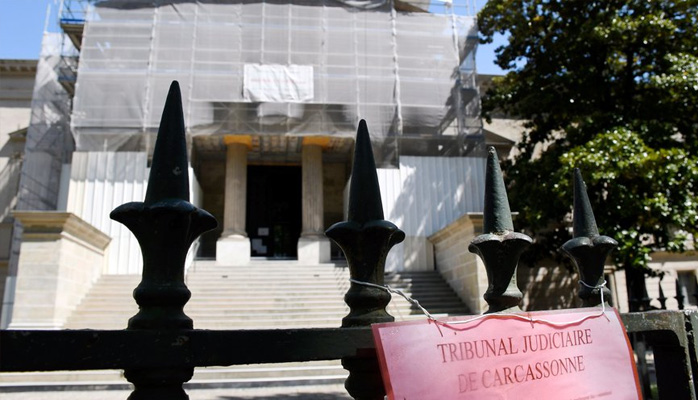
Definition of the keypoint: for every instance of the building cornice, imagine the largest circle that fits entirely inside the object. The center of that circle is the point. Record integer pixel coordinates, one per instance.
(52, 225)
(18, 67)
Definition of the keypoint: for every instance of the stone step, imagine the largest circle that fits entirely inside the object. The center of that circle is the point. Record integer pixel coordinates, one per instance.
(264, 295)
(263, 281)
(270, 297)
(246, 293)
(254, 272)
(239, 302)
(260, 281)
(234, 307)
(266, 306)
(257, 269)
(262, 276)
(275, 299)
(262, 307)
(319, 287)
(228, 324)
(253, 320)
(287, 314)
(272, 267)
(209, 376)
(86, 317)
(203, 263)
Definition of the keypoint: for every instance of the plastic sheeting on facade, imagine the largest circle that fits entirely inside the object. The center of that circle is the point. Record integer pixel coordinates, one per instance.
(425, 195)
(406, 73)
(48, 142)
(101, 181)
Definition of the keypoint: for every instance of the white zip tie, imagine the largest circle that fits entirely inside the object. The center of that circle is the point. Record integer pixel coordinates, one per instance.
(452, 324)
(396, 291)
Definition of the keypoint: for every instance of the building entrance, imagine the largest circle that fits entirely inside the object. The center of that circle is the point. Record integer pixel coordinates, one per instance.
(273, 211)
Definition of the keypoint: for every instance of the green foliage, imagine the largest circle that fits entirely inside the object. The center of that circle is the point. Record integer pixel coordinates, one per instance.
(645, 198)
(610, 87)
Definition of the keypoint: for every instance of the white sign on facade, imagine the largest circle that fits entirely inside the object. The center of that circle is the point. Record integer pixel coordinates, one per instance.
(278, 83)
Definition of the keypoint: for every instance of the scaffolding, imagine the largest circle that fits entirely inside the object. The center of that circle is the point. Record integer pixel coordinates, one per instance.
(71, 19)
(250, 67)
(48, 147)
(267, 67)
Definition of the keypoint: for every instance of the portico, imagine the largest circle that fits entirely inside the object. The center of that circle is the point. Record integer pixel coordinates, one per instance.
(266, 210)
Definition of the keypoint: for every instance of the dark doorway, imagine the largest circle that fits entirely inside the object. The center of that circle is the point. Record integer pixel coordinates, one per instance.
(274, 211)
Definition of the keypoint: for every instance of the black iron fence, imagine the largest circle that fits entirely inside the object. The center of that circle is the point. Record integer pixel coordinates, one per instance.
(160, 349)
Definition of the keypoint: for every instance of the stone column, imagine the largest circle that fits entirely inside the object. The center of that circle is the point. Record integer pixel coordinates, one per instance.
(312, 191)
(235, 190)
(313, 246)
(233, 247)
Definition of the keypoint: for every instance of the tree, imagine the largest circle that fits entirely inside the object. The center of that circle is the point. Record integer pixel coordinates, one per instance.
(611, 87)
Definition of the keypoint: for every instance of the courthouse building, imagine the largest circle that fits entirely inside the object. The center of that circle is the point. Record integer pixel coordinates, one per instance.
(272, 95)
(272, 92)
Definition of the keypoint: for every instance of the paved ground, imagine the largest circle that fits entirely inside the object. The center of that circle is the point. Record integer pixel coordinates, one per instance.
(324, 392)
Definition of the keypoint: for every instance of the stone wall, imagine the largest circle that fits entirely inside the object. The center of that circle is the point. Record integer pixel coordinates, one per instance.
(463, 270)
(61, 256)
(547, 286)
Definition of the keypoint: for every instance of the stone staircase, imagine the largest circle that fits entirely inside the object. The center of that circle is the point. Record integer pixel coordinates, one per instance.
(262, 295)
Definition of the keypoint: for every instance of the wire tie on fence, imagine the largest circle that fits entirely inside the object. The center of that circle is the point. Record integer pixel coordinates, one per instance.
(451, 324)
(600, 287)
(398, 292)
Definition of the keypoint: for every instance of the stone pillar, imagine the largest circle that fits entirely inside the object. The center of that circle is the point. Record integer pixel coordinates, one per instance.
(312, 191)
(60, 257)
(235, 190)
(313, 246)
(233, 247)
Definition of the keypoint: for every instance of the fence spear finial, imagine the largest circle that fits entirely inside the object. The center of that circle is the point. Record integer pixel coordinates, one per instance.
(588, 250)
(365, 238)
(499, 246)
(497, 215)
(169, 172)
(165, 225)
(364, 192)
(584, 221)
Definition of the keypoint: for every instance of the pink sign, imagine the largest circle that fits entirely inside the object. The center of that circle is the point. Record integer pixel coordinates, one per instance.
(575, 354)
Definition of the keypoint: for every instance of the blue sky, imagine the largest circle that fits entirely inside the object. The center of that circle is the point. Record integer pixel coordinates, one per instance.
(22, 25)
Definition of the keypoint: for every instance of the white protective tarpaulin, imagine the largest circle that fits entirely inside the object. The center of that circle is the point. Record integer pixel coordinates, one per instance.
(276, 67)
